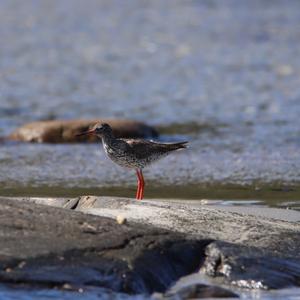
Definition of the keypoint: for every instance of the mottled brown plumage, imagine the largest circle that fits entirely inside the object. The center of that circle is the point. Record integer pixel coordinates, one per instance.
(133, 153)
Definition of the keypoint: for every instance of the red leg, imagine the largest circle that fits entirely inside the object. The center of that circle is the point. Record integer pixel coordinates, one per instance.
(138, 185)
(142, 184)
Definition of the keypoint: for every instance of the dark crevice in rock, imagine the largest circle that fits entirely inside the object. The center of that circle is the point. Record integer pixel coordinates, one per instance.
(174, 260)
(74, 205)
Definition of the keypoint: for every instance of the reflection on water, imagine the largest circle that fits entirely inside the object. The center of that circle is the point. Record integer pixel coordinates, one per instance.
(86, 293)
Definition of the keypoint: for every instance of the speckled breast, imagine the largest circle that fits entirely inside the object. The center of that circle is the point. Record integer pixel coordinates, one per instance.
(122, 158)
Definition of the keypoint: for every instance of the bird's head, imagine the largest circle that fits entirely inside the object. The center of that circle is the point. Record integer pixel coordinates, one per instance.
(100, 129)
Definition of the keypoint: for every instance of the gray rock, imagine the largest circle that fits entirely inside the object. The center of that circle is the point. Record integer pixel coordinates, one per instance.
(159, 243)
(48, 247)
(213, 222)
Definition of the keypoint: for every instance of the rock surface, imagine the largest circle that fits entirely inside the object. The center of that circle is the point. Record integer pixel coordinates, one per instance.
(47, 247)
(208, 221)
(64, 131)
(159, 243)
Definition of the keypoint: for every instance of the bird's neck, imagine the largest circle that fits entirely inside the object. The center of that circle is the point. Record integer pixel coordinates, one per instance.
(108, 139)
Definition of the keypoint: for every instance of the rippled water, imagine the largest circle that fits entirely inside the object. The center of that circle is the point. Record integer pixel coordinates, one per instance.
(89, 293)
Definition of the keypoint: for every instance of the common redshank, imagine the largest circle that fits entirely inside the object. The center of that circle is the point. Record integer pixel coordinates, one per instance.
(132, 153)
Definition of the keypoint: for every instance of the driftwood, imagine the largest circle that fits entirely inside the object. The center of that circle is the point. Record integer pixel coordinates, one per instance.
(64, 131)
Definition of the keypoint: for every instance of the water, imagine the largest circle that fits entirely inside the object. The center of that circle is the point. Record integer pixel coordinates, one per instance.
(223, 75)
(86, 293)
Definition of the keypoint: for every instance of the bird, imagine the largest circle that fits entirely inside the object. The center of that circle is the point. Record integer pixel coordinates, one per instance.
(132, 153)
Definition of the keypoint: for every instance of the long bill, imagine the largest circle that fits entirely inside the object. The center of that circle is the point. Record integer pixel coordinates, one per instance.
(88, 132)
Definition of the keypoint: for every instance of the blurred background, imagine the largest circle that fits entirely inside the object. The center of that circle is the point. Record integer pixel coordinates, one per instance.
(222, 74)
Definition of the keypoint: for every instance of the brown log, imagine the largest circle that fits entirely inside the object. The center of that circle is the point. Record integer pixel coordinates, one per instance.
(64, 131)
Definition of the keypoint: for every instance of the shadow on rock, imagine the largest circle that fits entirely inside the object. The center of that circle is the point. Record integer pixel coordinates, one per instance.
(133, 268)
